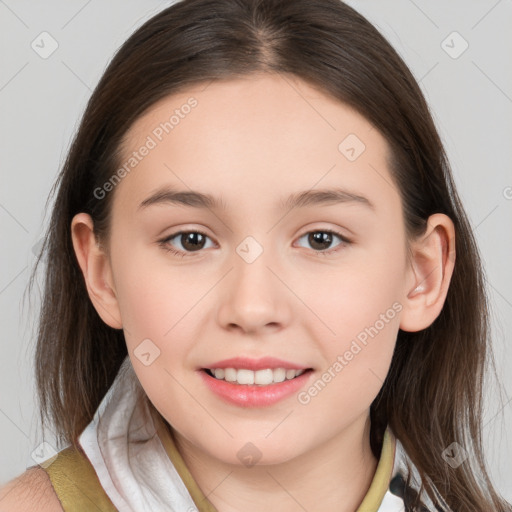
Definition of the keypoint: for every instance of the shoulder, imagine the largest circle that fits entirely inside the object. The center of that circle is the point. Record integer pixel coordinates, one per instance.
(30, 491)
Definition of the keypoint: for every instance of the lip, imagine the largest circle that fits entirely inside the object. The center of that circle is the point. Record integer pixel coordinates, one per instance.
(245, 363)
(245, 395)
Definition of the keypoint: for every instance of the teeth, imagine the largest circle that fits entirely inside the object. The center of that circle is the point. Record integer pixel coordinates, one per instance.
(259, 377)
(290, 374)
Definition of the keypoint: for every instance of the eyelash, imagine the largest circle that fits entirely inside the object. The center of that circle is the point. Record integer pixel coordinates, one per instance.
(182, 254)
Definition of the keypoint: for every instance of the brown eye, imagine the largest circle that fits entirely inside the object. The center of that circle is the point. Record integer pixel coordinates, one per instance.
(320, 240)
(190, 242)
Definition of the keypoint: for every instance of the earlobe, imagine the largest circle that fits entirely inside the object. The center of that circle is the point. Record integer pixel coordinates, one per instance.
(429, 274)
(96, 269)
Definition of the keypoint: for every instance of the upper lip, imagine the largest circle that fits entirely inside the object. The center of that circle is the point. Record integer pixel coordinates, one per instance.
(256, 364)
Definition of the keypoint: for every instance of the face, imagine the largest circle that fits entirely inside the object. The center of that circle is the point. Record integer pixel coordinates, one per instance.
(317, 284)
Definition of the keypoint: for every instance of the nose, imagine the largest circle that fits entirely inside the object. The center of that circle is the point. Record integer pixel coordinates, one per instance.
(253, 297)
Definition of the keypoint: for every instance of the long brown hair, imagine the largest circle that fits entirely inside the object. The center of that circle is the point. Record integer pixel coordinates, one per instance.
(432, 395)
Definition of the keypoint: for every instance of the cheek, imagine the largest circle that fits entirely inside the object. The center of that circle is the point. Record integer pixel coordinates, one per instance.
(362, 290)
(358, 321)
(156, 305)
(153, 298)
(356, 360)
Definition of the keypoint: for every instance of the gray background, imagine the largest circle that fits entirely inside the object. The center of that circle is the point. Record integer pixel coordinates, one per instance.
(41, 100)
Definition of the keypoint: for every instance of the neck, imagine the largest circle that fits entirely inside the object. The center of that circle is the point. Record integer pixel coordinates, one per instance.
(333, 477)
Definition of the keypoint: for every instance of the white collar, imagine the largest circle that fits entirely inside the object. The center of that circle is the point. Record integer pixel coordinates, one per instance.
(131, 463)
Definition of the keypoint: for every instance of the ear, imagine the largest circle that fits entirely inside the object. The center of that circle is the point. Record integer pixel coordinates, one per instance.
(429, 273)
(95, 265)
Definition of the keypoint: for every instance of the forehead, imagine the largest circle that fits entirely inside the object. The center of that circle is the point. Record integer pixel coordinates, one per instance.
(253, 137)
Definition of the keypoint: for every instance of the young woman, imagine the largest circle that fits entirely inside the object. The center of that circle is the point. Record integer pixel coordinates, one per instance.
(262, 289)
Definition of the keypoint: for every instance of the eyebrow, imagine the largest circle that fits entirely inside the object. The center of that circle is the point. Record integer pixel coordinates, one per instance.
(303, 199)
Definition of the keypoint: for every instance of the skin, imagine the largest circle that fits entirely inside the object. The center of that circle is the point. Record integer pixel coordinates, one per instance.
(253, 142)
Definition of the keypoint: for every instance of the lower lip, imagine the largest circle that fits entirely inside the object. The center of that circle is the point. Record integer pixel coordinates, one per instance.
(247, 395)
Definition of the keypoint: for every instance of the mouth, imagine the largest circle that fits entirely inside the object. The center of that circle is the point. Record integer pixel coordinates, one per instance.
(263, 377)
(260, 388)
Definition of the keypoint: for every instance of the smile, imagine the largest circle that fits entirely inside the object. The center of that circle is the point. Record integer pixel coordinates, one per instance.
(263, 377)
(245, 391)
